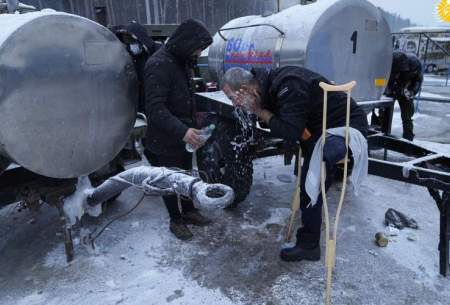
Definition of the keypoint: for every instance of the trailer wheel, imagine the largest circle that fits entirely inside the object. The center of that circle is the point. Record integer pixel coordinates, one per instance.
(227, 159)
(431, 68)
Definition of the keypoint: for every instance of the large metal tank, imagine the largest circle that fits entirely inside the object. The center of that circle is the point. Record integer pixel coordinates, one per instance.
(342, 40)
(67, 93)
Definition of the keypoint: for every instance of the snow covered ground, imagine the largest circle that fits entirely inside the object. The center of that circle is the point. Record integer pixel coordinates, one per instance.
(235, 260)
(435, 80)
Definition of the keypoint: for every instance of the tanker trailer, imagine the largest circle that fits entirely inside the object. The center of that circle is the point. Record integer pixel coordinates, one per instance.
(67, 99)
(342, 40)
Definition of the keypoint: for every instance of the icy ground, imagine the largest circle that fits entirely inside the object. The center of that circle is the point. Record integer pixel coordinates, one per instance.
(235, 260)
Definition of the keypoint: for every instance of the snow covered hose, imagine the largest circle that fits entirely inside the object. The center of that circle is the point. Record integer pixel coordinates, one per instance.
(330, 256)
(160, 181)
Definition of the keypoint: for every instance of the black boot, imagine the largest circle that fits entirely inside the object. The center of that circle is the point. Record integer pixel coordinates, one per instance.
(180, 230)
(306, 248)
(408, 136)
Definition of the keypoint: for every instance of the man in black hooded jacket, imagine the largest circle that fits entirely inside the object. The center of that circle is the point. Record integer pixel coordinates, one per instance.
(169, 107)
(404, 83)
(290, 102)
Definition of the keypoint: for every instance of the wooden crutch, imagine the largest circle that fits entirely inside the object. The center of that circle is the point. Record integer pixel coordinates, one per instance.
(330, 256)
(295, 205)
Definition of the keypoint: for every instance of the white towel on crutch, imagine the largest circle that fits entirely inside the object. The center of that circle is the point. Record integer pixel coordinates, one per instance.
(358, 146)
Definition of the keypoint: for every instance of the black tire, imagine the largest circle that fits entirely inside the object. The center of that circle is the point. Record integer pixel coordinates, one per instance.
(223, 162)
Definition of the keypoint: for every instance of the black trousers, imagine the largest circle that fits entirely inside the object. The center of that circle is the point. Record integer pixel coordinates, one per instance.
(334, 151)
(407, 112)
(182, 160)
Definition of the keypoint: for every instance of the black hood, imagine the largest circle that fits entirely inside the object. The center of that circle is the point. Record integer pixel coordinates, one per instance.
(414, 63)
(262, 76)
(188, 37)
(140, 34)
(399, 62)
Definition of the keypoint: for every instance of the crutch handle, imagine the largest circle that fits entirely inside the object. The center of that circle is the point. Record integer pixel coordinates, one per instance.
(345, 87)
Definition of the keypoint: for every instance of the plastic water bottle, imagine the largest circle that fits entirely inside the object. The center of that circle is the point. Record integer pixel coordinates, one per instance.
(205, 134)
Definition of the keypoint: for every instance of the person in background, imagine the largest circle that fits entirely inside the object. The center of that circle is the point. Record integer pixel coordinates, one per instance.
(290, 102)
(404, 83)
(170, 110)
(140, 46)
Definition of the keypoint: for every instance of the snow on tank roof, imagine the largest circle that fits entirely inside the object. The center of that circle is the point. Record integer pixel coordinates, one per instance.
(425, 29)
(9, 23)
(310, 13)
(314, 9)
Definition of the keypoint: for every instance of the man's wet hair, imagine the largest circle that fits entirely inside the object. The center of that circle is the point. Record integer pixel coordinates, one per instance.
(236, 77)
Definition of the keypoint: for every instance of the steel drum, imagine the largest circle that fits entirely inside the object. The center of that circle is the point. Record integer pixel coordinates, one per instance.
(342, 40)
(68, 92)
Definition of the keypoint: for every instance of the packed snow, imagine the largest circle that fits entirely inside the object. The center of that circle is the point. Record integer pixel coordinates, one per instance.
(9, 23)
(233, 261)
(425, 95)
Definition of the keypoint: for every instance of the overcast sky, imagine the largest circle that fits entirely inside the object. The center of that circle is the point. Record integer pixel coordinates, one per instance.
(422, 12)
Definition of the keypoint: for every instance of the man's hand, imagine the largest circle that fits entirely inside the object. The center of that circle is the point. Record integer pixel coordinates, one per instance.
(248, 99)
(264, 115)
(408, 94)
(193, 137)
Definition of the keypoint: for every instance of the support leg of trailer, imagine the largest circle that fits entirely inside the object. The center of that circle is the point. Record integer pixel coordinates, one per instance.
(67, 232)
(388, 114)
(443, 203)
(444, 235)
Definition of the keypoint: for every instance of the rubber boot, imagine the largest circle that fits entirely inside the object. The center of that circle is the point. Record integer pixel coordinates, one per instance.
(408, 136)
(306, 248)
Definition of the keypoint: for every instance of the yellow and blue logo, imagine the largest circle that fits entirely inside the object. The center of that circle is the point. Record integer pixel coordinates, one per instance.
(443, 10)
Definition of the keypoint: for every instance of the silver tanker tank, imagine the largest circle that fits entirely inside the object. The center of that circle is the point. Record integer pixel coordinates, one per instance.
(67, 93)
(342, 40)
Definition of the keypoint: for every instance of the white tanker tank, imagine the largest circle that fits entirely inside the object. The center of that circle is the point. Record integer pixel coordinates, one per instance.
(342, 40)
(67, 93)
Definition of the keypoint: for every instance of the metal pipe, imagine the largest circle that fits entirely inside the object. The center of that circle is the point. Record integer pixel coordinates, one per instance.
(163, 181)
(418, 47)
(147, 12)
(415, 33)
(436, 44)
(248, 26)
(426, 51)
(424, 65)
(448, 71)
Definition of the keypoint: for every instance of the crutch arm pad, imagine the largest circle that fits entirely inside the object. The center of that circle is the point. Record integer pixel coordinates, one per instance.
(345, 87)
